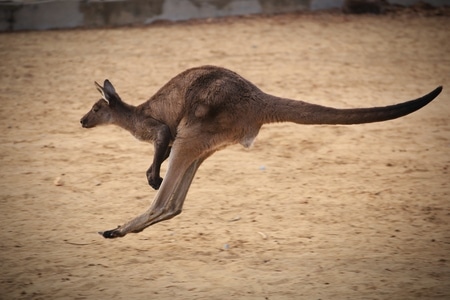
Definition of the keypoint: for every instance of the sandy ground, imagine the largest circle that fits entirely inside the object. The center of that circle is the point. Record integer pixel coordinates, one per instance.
(310, 212)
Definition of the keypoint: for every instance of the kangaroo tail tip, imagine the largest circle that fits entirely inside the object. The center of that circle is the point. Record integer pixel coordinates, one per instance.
(438, 90)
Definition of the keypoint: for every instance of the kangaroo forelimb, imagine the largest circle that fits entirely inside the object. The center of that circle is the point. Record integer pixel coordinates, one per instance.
(162, 151)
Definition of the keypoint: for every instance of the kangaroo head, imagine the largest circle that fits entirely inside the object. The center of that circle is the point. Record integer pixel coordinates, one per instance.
(102, 112)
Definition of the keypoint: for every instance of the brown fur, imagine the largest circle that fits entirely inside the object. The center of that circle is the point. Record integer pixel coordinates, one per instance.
(203, 110)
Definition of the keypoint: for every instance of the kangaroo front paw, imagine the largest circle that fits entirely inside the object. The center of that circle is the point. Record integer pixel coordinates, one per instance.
(111, 234)
(154, 182)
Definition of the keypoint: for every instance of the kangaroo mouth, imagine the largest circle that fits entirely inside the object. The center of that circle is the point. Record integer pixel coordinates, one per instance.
(85, 124)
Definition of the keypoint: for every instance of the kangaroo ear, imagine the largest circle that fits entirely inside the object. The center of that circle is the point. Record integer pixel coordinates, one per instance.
(110, 93)
(102, 92)
(109, 88)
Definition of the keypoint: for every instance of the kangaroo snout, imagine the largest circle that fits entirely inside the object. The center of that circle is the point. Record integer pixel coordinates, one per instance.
(84, 122)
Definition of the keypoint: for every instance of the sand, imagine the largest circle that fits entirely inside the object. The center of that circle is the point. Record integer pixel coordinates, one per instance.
(309, 212)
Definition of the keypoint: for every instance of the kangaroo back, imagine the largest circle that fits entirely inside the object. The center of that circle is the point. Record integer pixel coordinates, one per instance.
(287, 110)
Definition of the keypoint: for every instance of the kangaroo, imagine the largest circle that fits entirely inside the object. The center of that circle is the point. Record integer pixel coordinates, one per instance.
(201, 111)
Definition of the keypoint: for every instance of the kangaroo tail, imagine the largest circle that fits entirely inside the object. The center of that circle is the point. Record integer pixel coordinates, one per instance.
(287, 110)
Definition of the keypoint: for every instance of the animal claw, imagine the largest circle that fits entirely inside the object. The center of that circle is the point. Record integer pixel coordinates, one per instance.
(111, 234)
(155, 183)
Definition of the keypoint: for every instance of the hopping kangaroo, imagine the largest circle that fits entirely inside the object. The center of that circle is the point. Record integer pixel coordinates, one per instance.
(203, 110)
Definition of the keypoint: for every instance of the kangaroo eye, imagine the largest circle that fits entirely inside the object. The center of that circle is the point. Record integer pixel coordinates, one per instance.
(95, 109)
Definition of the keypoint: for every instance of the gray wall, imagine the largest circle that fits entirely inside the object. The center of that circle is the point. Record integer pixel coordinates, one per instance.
(54, 14)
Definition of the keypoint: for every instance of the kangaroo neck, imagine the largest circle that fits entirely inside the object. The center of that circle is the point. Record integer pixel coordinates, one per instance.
(125, 116)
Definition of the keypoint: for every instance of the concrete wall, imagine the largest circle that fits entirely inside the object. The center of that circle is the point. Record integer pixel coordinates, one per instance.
(55, 14)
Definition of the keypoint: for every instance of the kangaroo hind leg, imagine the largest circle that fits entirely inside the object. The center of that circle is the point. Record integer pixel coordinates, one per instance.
(184, 161)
